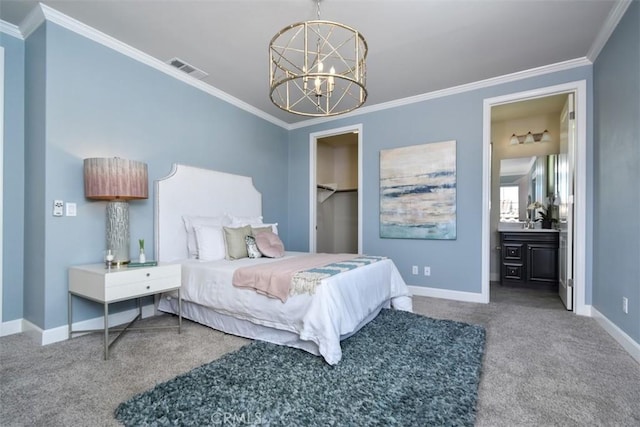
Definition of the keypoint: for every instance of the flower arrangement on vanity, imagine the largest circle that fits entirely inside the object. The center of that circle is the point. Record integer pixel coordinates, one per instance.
(548, 214)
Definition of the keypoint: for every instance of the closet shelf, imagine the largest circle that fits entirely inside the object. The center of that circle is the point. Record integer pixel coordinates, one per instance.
(327, 190)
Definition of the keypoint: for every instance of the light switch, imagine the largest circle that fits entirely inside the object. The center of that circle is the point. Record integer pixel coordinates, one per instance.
(71, 209)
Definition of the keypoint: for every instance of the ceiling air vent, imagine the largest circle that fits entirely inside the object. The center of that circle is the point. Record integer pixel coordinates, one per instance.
(187, 68)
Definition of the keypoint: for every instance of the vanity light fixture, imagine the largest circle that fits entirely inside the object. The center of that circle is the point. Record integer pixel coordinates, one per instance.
(530, 138)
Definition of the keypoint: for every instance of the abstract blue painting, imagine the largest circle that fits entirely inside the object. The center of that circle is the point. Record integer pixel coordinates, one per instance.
(418, 192)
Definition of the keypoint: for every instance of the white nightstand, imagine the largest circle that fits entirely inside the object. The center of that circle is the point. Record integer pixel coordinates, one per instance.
(97, 283)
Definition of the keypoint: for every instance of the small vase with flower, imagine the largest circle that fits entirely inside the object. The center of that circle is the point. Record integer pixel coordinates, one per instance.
(142, 258)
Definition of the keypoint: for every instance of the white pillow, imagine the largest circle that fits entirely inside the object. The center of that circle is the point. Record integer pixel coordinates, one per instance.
(192, 221)
(210, 242)
(239, 221)
(252, 221)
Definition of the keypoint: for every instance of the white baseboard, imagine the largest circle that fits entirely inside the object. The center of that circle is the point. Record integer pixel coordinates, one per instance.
(585, 310)
(11, 327)
(61, 333)
(632, 347)
(446, 294)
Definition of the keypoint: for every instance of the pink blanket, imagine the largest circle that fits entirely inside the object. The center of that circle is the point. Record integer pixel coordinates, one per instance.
(274, 279)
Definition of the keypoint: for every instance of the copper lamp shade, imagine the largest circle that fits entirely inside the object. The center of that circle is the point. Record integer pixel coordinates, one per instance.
(116, 180)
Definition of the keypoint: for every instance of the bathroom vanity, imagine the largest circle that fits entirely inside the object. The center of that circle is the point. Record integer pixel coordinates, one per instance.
(529, 258)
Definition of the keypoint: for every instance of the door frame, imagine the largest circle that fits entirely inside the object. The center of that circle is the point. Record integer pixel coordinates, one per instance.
(313, 153)
(1, 180)
(580, 190)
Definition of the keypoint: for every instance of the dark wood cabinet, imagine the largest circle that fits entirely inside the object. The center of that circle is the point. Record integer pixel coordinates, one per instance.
(529, 258)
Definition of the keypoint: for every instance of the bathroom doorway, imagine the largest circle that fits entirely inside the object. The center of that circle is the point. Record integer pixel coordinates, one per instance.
(573, 263)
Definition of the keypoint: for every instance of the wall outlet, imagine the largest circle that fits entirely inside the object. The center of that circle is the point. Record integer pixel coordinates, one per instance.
(625, 305)
(427, 271)
(57, 207)
(414, 270)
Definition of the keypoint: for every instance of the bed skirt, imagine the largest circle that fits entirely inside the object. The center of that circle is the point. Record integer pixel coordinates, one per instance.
(246, 329)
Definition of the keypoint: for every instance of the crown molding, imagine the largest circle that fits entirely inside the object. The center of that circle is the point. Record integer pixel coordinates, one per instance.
(91, 33)
(615, 15)
(39, 14)
(507, 78)
(10, 30)
(32, 21)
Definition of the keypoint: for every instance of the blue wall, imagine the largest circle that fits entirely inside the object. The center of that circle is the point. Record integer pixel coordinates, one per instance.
(82, 99)
(86, 100)
(13, 178)
(616, 273)
(35, 236)
(455, 264)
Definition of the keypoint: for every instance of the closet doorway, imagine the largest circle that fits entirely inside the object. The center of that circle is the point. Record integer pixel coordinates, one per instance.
(335, 196)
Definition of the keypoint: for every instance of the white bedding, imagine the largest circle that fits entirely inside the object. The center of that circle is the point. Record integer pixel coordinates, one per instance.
(339, 307)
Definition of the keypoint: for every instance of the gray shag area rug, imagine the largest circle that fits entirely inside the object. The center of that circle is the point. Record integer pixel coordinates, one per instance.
(400, 369)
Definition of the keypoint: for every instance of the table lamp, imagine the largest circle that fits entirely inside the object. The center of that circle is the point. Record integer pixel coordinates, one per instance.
(118, 181)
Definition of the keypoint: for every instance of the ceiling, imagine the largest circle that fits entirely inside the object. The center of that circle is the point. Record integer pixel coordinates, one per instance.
(531, 107)
(515, 168)
(415, 47)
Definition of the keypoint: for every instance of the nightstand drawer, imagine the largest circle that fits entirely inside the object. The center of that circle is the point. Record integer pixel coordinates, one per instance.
(133, 290)
(125, 276)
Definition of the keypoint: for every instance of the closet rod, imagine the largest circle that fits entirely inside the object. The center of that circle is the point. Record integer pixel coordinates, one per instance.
(344, 190)
(325, 187)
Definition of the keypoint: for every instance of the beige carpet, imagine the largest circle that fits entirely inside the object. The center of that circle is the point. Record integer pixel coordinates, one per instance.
(543, 366)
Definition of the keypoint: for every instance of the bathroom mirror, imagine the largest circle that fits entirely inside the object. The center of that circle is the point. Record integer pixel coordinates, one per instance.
(524, 180)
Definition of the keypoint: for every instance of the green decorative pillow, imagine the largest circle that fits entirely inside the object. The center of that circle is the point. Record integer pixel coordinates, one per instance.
(234, 242)
(257, 230)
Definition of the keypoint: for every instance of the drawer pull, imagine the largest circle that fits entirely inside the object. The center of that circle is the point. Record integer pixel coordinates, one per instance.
(148, 287)
(148, 274)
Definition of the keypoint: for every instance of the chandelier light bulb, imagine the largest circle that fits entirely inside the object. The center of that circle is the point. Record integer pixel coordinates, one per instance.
(332, 81)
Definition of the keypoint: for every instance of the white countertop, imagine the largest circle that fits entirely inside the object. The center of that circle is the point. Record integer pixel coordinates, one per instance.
(518, 228)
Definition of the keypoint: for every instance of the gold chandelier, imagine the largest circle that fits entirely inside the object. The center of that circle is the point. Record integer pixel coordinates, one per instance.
(317, 68)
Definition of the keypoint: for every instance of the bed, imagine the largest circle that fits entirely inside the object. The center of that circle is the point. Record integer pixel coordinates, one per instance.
(313, 321)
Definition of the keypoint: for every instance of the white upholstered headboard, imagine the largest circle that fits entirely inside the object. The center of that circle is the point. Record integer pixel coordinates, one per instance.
(188, 190)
